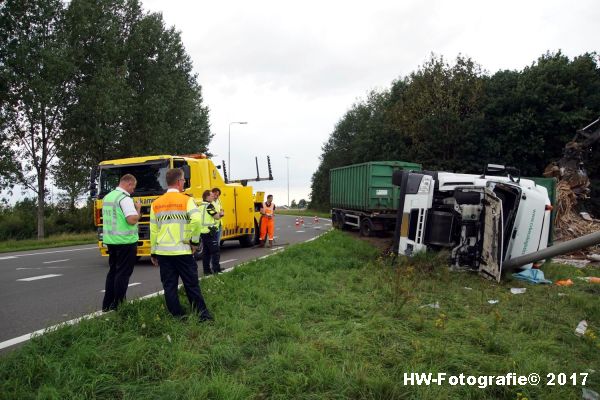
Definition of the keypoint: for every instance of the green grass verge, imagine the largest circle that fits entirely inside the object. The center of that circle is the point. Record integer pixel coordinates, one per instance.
(65, 239)
(304, 213)
(327, 319)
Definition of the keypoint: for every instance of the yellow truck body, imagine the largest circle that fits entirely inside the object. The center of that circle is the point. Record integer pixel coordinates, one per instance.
(240, 204)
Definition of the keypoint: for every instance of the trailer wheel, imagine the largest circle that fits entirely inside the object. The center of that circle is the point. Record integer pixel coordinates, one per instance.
(366, 227)
(339, 220)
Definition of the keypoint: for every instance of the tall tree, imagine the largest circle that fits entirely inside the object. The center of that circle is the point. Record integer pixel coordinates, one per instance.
(136, 93)
(35, 64)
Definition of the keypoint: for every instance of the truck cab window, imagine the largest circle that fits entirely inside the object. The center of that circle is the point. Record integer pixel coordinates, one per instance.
(183, 165)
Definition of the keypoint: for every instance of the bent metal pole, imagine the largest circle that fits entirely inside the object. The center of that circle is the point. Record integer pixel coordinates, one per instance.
(562, 248)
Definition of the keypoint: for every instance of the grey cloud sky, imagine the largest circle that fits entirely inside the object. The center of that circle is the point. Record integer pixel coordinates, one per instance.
(291, 69)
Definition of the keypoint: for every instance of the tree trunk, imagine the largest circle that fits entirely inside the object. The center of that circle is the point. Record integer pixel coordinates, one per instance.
(40, 204)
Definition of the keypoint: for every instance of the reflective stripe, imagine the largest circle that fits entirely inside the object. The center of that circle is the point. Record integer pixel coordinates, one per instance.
(180, 247)
(117, 233)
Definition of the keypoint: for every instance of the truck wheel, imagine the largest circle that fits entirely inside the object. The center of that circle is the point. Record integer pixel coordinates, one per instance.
(366, 227)
(338, 220)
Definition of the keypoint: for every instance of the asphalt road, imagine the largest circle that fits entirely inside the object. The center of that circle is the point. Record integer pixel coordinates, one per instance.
(41, 288)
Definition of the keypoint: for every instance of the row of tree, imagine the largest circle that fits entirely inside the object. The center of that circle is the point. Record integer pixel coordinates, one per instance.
(456, 117)
(90, 80)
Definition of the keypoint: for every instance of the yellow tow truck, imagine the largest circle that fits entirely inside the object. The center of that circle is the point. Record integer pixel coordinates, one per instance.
(241, 205)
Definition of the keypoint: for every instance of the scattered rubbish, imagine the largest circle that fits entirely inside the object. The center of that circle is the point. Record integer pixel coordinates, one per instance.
(467, 288)
(590, 371)
(564, 282)
(432, 305)
(532, 276)
(562, 294)
(518, 290)
(169, 338)
(589, 394)
(594, 257)
(581, 328)
(586, 216)
(590, 279)
(571, 261)
(493, 301)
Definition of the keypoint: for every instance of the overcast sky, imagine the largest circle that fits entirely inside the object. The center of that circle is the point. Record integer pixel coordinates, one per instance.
(292, 69)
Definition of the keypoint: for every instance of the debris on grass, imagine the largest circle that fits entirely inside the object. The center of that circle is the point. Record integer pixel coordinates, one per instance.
(564, 282)
(589, 394)
(435, 305)
(516, 290)
(581, 328)
(590, 279)
(493, 301)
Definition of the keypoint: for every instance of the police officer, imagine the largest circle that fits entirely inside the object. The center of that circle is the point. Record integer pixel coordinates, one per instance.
(219, 207)
(175, 224)
(210, 234)
(120, 235)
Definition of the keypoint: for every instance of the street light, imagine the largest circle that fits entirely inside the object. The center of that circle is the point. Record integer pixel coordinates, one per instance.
(288, 178)
(229, 146)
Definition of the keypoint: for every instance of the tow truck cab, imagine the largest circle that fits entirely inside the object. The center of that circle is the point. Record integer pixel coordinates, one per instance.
(482, 220)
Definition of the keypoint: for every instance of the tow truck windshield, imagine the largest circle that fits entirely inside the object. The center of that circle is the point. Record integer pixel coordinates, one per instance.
(150, 177)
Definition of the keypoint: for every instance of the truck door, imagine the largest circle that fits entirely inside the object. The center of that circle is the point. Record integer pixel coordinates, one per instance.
(490, 265)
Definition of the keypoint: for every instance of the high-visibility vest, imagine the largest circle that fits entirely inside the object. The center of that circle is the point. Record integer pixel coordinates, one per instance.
(115, 229)
(268, 210)
(218, 208)
(174, 222)
(208, 221)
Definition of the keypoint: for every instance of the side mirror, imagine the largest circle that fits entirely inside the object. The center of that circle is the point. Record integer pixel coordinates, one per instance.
(93, 178)
(186, 172)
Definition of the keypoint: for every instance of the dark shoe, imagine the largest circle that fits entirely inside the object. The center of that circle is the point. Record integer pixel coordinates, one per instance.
(205, 316)
(208, 273)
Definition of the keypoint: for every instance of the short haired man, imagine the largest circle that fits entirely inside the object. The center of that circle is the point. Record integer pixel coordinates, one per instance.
(267, 221)
(120, 235)
(174, 236)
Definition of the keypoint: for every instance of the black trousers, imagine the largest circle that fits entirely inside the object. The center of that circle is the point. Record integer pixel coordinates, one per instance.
(184, 266)
(121, 260)
(211, 252)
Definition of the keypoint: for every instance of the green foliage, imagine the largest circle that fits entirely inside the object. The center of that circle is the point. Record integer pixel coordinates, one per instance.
(136, 92)
(38, 74)
(19, 221)
(454, 117)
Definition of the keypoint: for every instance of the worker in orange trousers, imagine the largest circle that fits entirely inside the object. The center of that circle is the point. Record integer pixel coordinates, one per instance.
(267, 221)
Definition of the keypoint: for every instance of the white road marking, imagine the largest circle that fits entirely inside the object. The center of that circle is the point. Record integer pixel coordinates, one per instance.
(130, 285)
(26, 337)
(228, 261)
(55, 261)
(276, 248)
(300, 231)
(52, 252)
(35, 278)
(7, 257)
(21, 268)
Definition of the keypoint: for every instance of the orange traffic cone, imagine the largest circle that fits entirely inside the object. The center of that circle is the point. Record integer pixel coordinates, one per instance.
(297, 222)
(302, 220)
(316, 219)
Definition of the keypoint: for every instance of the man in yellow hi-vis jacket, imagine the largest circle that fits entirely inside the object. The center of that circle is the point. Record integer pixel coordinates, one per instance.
(175, 224)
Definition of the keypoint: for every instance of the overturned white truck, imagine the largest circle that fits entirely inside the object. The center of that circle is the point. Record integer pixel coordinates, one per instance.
(482, 220)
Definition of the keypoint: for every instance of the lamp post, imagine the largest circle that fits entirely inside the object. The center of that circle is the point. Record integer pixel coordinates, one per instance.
(229, 146)
(288, 178)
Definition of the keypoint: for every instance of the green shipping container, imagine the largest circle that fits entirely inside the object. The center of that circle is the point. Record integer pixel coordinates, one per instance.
(367, 186)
